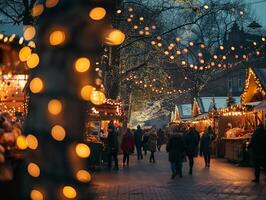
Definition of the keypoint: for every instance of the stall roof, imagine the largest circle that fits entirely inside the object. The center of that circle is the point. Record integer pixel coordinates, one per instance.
(206, 103)
(261, 73)
(185, 110)
(261, 106)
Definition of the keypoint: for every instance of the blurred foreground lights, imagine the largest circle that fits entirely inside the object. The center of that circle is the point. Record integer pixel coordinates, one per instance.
(97, 97)
(86, 92)
(36, 195)
(21, 142)
(97, 13)
(58, 133)
(83, 176)
(51, 3)
(82, 150)
(37, 10)
(32, 142)
(206, 6)
(57, 37)
(82, 64)
(36, 85)
(29, 32)
(24, 54)
(114, 37)
(33, 170)
(69, 192)
(33, 61)
(55, 107)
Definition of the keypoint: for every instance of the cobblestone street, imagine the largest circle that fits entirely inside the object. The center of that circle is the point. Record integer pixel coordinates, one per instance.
(147, 181)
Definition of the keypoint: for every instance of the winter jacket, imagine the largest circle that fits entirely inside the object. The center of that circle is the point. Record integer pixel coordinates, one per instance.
(112, 142)
(138, 137)
(205, 144)
(152, 141)
(192, 139)
(176, 148)
(127, 144)
(257, 144)
(145, 141)
(161, 138)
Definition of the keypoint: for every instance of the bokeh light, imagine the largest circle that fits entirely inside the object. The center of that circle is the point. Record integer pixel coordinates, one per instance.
(97, 13)
(34, 170)
(58, 132)
(82, 64)
(55, 107)
(36, 85)
(83, 150)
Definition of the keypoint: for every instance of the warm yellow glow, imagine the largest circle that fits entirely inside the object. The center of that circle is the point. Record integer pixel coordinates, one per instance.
(32, 44)
(21, 142)
(114, 37)
(24, 53)
(97, 13)
(32, 142)
(37, 10)
(29, 32)
(58, 132)
(36, 85)
(82, 64)
(36, 195)
(51, 3)
(33, 60)
(69, 192)
(33, 170)
(83, 176)
(83, 150)
(57, 38)
(54, 106)
(86, 92)
(97, 97)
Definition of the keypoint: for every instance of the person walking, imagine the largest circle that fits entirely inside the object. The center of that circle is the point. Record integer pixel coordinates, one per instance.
(205, 145)
(145, 142)
(127, 146)
(151, 145)
(176, 153)
(112, 146)
(192, 139)
(257, 146)
(138, 142)
(161, 139)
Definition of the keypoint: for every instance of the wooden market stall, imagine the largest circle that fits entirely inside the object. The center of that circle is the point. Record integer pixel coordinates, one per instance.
(245, 119)
(99, 118)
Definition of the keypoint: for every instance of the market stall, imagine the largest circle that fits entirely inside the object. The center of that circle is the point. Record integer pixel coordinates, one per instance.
(13, 101)
(99, 118)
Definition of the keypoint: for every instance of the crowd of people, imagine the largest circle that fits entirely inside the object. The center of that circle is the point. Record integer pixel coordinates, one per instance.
(183, 143)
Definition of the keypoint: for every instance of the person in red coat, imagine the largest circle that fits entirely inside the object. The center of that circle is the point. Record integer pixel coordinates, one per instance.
(127, 146)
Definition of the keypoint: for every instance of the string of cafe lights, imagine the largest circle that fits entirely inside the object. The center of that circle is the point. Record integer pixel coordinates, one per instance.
(217, 61)
(151, 85)
(57, 38)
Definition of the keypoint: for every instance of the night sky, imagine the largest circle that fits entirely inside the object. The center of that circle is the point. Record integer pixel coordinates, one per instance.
(259, 9)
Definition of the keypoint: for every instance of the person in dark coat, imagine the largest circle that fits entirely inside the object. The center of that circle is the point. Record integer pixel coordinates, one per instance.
(205, 145)
(152, 144)
(176, 151)
(138, 142)
(192, 139)
(257, 146)
(127, 146)
(160, 139)
(145, 142)
(112, 146)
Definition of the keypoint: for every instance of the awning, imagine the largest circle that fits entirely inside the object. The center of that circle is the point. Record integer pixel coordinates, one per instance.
(261, 106)
(253, 103)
